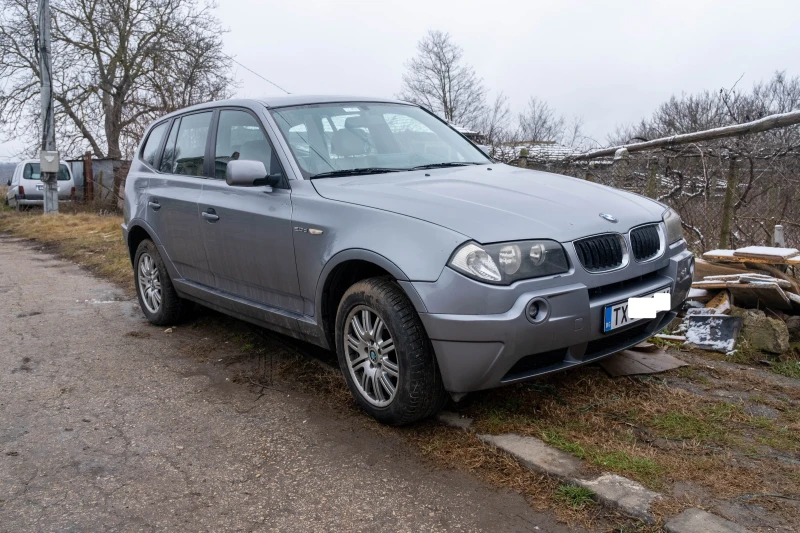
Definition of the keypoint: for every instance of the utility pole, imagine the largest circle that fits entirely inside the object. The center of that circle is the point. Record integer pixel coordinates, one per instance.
(48, 157)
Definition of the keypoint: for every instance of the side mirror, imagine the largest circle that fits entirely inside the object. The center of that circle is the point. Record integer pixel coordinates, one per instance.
(243, 173)
(249, 173)
(9, 182)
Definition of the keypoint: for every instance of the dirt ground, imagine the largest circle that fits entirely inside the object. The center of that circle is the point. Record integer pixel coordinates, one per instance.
(109, 423)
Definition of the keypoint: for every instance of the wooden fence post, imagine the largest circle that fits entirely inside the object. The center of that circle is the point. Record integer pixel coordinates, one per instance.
(727, 205)
(88, 178)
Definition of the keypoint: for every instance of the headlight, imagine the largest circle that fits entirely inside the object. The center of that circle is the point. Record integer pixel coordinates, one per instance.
(673, 223)
(503, 264)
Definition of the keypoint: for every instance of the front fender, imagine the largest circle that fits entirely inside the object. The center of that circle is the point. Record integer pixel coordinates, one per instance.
(409, 249)
(355, 254)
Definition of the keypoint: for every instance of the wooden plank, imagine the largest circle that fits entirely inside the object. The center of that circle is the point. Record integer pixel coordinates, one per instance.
(721, 282)
(629, 362)
(673, 338)
(737, 276)
(782, 283)
(782, 275)
(715, 284)
(762, 294)
(766, 252)
(795, 299)
(645, 346)
(726, 256)
(721, 303)
(699, 295)
(703, 268)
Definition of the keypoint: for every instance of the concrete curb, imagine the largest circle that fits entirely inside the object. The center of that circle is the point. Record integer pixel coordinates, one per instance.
(698, 520)
(613, 491)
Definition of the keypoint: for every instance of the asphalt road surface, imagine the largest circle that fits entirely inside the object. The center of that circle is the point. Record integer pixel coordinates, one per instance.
(107, 425)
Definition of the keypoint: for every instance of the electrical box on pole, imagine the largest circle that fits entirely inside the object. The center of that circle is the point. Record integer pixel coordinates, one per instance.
(48, 158)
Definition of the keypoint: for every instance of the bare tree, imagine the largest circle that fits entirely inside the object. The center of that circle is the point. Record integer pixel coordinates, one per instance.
(438, 79)
(494, 121)
(540, 123)
(117, 65)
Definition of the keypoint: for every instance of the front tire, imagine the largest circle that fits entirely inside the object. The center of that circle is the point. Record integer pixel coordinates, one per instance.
(158, 299)
(385, 354)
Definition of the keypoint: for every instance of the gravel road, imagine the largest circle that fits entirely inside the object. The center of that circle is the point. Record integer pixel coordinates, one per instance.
(107, 424)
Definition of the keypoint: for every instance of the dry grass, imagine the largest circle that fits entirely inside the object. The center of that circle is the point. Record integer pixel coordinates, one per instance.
(659, 431)
(91, 240)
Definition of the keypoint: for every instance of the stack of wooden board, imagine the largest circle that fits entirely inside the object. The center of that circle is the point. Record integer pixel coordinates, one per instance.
(750, 277)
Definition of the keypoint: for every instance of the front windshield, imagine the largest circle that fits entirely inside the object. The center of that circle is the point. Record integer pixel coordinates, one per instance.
(348, 138)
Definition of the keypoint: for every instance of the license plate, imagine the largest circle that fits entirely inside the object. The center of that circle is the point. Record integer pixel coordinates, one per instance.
(40, 187)
(616, 315)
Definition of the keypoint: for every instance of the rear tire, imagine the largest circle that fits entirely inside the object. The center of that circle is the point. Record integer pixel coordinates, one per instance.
(385, 354)
(158, 299)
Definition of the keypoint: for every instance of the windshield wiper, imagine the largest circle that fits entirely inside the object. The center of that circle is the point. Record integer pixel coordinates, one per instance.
(355, 172)
(443, 165)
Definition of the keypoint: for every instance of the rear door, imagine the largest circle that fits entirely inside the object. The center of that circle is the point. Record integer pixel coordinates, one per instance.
(173, 192)
(248, 230)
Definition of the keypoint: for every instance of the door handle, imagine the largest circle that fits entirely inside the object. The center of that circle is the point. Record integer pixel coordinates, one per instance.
(154, 205)
(210, 215)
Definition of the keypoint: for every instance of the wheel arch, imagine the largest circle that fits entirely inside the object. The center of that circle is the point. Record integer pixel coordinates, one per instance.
(340, 273)
(137, 232)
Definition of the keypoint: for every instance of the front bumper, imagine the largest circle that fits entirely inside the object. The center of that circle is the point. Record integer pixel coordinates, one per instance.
(485, 350)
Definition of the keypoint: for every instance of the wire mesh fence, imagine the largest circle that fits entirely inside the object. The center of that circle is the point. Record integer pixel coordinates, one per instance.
(724, 200)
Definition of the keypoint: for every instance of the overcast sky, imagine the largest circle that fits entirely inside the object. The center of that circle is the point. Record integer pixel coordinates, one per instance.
(609, 62)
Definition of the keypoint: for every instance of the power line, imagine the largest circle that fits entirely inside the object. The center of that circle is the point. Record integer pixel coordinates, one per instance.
(257, 74)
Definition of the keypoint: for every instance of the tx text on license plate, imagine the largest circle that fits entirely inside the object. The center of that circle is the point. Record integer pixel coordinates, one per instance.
(616, 315)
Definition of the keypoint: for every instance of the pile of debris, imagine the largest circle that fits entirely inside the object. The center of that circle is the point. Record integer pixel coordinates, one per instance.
(748, 292)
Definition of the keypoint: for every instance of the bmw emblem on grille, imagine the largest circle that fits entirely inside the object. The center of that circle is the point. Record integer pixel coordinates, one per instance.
(610, 218)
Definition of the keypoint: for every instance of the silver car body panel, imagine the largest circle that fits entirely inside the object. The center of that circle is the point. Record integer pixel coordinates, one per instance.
(267, 258)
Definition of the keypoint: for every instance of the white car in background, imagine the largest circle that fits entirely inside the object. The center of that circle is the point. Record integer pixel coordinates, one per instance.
(26, 189)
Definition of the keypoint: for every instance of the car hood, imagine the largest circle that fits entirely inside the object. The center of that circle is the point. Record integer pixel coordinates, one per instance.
(502, 204)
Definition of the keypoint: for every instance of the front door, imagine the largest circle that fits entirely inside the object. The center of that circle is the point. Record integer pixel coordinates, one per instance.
(173, 193)
(247, 231)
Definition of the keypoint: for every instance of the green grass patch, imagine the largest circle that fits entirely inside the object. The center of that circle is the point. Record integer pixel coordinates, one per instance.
(675, 425)
(574, 496)
(554, 438)
(789, 369)
(781, 439)
(642, 468)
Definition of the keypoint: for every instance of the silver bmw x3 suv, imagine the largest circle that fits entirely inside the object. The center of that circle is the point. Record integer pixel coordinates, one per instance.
(372, 228)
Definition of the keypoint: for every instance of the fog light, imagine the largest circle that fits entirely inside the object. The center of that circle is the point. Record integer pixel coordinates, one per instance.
(537, 310)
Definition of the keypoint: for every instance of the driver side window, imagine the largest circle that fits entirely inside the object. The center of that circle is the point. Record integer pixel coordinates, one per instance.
(239, 136)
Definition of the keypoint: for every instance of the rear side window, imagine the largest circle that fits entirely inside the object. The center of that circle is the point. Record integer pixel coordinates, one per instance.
(239, 136)
(150, 149)
(168, 159)
(32, 172)
(190, 144)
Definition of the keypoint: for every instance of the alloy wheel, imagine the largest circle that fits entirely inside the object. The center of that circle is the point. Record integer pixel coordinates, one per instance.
(371, 356)
(149, 283)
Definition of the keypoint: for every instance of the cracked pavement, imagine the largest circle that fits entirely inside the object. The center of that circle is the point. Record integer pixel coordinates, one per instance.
(107, 425)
